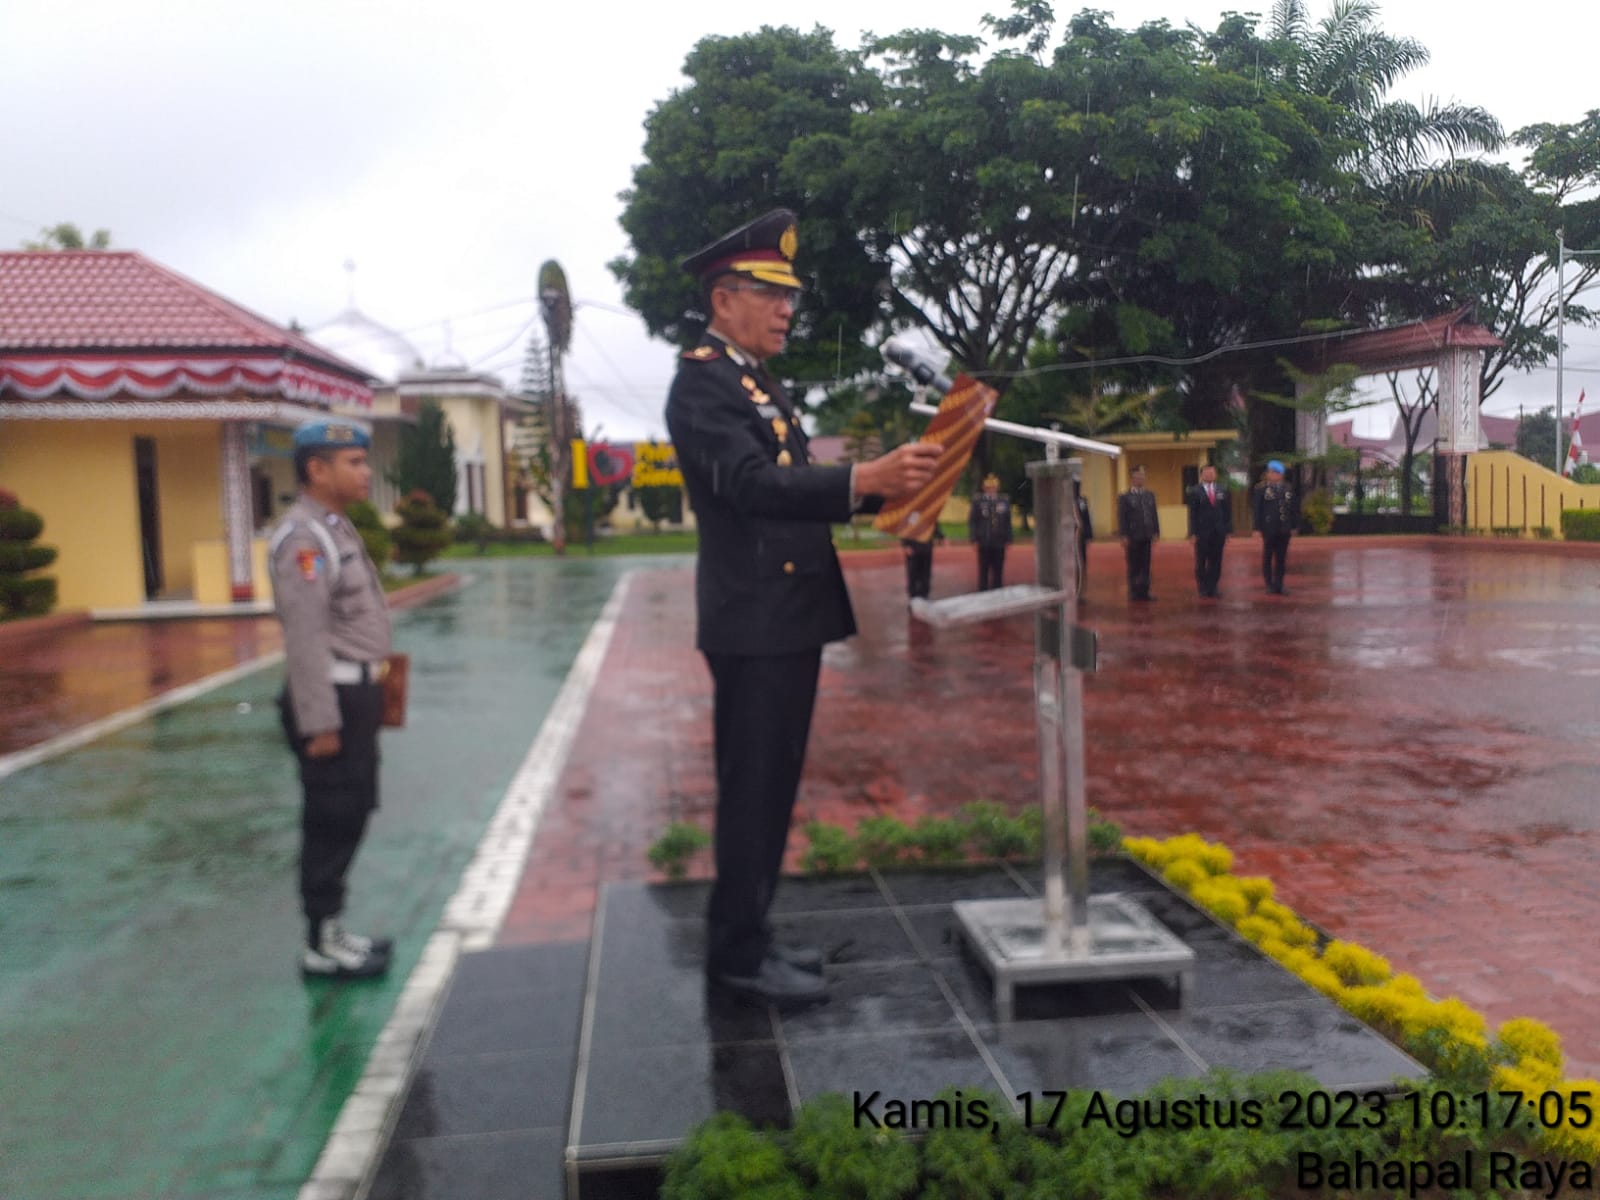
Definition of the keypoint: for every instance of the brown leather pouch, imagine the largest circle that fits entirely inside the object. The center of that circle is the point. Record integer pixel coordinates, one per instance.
(396, 679)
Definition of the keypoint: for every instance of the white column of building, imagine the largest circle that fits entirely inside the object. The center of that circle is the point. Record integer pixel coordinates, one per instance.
(238, 523)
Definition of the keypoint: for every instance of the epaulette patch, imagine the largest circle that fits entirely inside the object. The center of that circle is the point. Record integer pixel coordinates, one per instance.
(702, 353)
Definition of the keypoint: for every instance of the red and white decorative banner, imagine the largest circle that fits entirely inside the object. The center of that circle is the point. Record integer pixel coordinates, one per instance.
(101, 378)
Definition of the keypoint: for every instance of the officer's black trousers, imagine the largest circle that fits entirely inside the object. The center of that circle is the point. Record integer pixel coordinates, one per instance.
(1138, 555)
(1274, 558)
(919, 568)
(761, 721)
(1208, 549)
(991, 566)
(340, 792)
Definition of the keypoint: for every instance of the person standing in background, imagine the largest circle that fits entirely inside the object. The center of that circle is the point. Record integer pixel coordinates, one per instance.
(1140, 526)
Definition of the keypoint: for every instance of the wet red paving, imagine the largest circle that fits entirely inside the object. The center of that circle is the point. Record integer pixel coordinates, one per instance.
(1406, 744)
(58, 681)
(67, 675)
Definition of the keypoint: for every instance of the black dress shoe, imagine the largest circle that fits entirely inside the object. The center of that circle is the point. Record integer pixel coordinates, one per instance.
(806, 958)
(776, 983)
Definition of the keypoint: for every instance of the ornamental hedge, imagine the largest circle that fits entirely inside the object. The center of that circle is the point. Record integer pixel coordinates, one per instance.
(23, 594)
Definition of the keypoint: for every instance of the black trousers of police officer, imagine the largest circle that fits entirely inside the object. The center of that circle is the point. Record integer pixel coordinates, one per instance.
(919, 567)
(1137, 552)
(761, 722)
(1274, 559)
(340, 792)
(991, 566)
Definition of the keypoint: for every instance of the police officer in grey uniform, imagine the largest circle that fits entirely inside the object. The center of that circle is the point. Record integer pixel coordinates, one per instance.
(336, 641)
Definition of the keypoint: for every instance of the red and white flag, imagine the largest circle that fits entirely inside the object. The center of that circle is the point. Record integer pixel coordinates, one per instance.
(1575, 446)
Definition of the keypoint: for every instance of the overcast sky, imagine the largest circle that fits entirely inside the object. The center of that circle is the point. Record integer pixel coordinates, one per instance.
(448, 149)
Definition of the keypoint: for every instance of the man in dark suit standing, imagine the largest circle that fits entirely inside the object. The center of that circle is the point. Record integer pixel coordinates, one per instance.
(1140, 525)
(1210, 523)
(769, 591)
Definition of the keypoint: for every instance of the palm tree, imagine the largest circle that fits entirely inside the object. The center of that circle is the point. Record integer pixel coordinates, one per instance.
(1411, 156)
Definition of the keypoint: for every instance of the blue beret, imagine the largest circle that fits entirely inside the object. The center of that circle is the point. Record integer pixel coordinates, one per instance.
(324, 434)
(1275, 465)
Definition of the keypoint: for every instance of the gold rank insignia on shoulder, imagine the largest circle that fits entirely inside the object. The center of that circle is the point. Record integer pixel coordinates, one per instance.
(785, 458)
(702, 353)
(781, 428)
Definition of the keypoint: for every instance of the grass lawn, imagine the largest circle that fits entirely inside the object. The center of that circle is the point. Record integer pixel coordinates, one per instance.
(677, 541)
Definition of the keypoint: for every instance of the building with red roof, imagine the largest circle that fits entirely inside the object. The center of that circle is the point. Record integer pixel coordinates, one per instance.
(146, 419)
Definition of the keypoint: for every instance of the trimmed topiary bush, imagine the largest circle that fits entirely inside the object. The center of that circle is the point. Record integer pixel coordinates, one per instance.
(22, 594)
(424, 530)
(374, 534)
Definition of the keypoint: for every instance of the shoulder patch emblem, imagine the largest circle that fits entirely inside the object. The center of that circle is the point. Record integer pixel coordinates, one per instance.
(702, 353)
(310, 564)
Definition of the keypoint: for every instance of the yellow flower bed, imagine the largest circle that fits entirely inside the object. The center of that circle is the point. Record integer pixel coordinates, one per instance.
(1527, 1053)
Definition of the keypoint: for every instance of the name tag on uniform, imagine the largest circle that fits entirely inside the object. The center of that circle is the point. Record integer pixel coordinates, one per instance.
(767, 410)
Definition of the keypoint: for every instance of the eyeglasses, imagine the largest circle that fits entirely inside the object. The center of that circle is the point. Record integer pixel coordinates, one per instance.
(773, 292)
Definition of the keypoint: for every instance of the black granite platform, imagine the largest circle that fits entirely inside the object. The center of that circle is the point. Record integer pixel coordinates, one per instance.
(487, 1112)
(910, 1013)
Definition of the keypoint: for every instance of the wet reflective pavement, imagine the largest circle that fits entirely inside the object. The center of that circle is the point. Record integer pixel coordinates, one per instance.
(1405, 744)
(155, 1037)
(1408, 744)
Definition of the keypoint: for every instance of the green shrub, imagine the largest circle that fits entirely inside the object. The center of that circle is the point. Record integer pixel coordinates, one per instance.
(374, 534)
(16, 557)
(843, 1159)
(1506, 530)
(1105, 837)
(20, 525)
(883, 841)
(1317, 511)
(940, 839)
(676, 845)
(830, 849)
(725, 1159)
(424, 530)
(1577, 524)
(474, 527)
(993, 832)
(1543, 532)
(21, 594)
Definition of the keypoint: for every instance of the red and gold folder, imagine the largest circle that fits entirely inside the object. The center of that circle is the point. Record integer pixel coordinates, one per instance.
(956, 427)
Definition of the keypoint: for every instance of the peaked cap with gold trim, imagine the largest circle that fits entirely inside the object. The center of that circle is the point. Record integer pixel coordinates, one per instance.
(763, 249)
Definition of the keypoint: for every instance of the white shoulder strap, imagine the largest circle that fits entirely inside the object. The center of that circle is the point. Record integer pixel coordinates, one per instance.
(317, 531)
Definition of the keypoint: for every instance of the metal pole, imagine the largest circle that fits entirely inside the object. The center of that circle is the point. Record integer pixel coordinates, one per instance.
(1058, 687)
(1561, 325)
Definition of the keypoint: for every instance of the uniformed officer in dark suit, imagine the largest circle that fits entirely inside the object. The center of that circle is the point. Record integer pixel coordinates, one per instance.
(1276, 507)
(1140, 525)
(336, 640)
(768, 587)
(989, 527)
(1210, 523)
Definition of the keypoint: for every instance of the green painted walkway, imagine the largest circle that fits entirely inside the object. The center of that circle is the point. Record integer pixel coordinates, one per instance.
(156, 1039)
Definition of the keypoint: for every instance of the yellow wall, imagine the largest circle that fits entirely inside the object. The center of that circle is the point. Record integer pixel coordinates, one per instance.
(1505, 489)
(79, 476)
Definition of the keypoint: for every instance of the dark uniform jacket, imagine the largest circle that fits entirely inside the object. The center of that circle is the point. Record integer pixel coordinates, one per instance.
(1137, 519)
(767, 579)
(1277, 508)
(989, 520)
(1208, 518)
